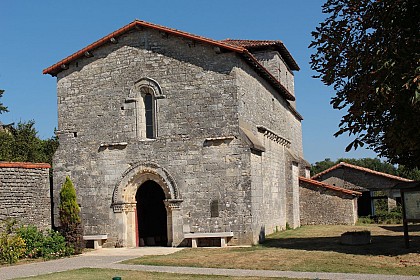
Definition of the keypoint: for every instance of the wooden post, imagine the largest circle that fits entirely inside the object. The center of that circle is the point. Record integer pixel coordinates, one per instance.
(405, 223)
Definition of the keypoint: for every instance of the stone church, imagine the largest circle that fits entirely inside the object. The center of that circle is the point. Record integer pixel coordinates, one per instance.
(166, 133)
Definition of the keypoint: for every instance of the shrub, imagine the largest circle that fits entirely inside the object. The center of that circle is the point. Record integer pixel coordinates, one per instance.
(12, 246)
(49, 245)
(33, 239)
(365, 220)
(69, 212)
(383, 217)
(55, 246)
(392, 217)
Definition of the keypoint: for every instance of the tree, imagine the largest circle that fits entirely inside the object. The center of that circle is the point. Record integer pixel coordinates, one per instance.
(371, 163)
(2, 107)
(21, 143)
(368, 50)
(70, 220)
(321, 166)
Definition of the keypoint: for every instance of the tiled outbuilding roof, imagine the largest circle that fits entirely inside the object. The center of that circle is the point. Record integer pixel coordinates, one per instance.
(327, 186)
(252, 45)
(26, 165)
(243, 51)
(367, 170)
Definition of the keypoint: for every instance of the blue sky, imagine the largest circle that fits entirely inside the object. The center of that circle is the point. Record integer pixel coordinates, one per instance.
(37, 34)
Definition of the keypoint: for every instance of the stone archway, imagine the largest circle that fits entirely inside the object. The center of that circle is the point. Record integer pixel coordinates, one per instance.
(125, 203)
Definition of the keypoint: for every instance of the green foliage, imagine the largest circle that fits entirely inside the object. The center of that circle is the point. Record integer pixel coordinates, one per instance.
(365, 220)
(12, 246)
(368, 51)
(34, 240)
(389, 217)
(21, 143)
(371, 163)
(6, 147)
(384, 217)
(49, 245)
(321, 166)
(55, 246)
(2, 107)
(69, 211)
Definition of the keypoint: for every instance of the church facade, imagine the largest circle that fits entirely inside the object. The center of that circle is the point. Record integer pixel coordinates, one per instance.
(164, 133)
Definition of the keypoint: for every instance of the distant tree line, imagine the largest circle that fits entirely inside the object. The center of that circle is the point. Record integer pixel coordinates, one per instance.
(20, 142)
(371, 163)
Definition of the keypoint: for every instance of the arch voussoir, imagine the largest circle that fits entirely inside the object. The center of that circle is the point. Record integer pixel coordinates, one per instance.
(125, 190)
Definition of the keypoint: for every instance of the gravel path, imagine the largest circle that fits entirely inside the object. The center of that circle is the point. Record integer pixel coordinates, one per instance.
(110, 258)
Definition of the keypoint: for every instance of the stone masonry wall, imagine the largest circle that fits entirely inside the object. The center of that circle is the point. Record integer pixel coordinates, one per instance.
(262, 108)
(199, 102)
(205, 93)
(321, 206)
(25, 193)
(274, 63)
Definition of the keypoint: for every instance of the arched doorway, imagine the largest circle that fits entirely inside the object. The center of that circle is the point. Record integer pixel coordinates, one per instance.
(138, 182)
(151, 215)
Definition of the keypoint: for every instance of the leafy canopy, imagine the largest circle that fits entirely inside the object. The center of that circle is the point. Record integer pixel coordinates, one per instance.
(368, 50)
(21, 143)
(2, 107)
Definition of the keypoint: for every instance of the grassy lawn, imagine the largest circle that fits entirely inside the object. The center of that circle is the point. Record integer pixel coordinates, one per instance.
(101, 274)
(310, 248)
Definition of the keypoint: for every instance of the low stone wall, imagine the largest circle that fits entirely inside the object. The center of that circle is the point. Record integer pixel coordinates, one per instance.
(323, 206)
(25, 193)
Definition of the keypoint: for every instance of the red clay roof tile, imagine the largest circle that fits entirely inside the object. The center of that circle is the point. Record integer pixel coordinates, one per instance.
(327, 186)
(348, 165)
(264, 44)
(26, 165)
(57, 67)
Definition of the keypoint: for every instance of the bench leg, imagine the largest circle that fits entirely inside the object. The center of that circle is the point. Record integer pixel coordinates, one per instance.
(223, 242)
(194, 242)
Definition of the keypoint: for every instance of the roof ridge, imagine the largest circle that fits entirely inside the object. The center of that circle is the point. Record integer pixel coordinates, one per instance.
(341, 164)
(328, 186)
(57, 67)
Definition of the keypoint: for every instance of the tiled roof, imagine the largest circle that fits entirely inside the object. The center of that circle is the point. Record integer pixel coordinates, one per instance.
(264, 44)
(26, 165)
(367, 170)
(245, 54)
(327, 186)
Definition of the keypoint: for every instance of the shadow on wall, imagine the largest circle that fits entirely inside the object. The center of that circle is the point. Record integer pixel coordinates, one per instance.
(381, 244)
(261, 236)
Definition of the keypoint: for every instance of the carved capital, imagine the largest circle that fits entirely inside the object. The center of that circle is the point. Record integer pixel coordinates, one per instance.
(124, 207)
(173, 204)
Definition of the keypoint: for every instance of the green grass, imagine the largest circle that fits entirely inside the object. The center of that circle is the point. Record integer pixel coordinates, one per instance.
(310, 248)
(101, 274)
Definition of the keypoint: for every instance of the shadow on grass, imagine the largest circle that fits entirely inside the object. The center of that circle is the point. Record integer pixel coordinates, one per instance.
(381, 244)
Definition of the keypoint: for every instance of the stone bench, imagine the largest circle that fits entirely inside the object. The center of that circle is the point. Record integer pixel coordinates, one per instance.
(98, 239)
(222, 235)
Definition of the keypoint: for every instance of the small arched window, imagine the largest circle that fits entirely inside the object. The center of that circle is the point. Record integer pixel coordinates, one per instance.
(149, 113)
(144, 95)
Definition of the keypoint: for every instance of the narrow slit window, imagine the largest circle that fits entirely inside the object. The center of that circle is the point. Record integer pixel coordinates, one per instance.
(214, 208)
(149, 116)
